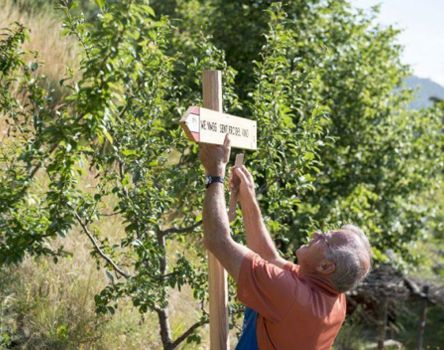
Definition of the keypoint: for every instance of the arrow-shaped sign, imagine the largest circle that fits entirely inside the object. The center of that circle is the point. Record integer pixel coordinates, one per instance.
(208, 126)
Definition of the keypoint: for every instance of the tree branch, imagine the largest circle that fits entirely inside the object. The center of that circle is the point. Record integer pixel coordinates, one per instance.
(38, 166)
(110, 214)
(122, 176)
(173, 230)
(188, 332)
(100, 251)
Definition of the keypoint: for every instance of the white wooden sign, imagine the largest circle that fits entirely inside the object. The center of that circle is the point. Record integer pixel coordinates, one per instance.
(208, 126)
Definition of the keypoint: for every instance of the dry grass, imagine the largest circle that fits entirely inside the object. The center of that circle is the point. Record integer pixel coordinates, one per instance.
(51, 306)
(56, 51)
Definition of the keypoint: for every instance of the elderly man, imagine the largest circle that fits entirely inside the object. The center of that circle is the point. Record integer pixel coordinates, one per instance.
(289, 306)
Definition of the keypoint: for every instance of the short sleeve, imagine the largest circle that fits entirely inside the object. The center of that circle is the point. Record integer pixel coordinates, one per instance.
(266, 288)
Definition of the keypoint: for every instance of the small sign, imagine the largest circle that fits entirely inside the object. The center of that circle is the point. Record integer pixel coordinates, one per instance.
(208, 126)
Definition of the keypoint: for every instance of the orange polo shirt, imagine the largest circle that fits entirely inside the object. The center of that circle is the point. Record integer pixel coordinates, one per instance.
(294, 311)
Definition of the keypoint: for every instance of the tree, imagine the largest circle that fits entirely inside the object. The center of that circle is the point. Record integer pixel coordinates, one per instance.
(118, 125)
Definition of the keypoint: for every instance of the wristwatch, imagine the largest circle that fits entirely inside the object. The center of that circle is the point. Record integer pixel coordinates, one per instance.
(210, 179)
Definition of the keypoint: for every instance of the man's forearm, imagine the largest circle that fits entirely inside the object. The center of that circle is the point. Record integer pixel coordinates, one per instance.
(215, 220)
(217, 237)
(258, 237)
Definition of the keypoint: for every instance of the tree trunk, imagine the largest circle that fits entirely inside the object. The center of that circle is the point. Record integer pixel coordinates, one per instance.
(162, 312)
(165, 332)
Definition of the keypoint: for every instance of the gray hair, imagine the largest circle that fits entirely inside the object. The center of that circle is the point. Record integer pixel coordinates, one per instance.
(350, 259)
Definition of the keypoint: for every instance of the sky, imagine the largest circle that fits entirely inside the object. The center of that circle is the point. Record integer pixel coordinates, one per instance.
(422, 22)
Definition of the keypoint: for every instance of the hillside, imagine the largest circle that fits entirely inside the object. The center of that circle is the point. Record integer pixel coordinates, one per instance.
(426, 89)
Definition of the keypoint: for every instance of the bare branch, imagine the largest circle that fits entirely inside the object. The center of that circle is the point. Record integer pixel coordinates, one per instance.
(110, 214)
(174, 230)
(100, 251)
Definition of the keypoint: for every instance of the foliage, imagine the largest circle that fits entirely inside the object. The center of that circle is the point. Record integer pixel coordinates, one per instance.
(119, 123)
(336, 144)
(383, 155)
(292, 129)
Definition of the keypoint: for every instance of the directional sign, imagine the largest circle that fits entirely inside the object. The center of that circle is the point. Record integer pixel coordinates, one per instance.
(208, 126)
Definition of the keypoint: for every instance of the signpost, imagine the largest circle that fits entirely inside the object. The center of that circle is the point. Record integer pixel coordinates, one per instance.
(209, 124)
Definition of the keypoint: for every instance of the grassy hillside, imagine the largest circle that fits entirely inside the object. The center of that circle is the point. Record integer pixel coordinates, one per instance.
(55, 51)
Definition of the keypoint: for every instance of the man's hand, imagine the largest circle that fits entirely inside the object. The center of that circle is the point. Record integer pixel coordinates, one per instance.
(258, 237)
(242, 180)
(214, 158)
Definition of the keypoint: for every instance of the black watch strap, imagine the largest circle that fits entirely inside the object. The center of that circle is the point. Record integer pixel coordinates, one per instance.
(211, 179)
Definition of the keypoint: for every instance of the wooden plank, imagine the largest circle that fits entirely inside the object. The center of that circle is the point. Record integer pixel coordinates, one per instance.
(217, 276)
(233, 198)
(209, 126)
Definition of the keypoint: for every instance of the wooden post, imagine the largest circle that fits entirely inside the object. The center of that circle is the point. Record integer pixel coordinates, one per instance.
(217, 276)
(233, 196)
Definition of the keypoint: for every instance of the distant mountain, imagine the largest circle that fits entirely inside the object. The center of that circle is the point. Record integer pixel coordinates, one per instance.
(426, 89)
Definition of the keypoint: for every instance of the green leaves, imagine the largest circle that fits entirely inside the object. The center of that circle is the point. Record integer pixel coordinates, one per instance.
(100, 3)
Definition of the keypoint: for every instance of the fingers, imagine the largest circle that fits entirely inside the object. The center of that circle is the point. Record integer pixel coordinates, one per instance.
(239, 173)
(246, 173)
(234, 180)
(227, 148)
(227, 141)
(242, 172)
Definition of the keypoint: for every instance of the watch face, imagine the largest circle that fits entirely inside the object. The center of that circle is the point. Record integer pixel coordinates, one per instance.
(207, 180)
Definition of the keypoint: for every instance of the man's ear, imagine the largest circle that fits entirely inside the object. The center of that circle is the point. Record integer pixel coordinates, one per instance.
(326, 267)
